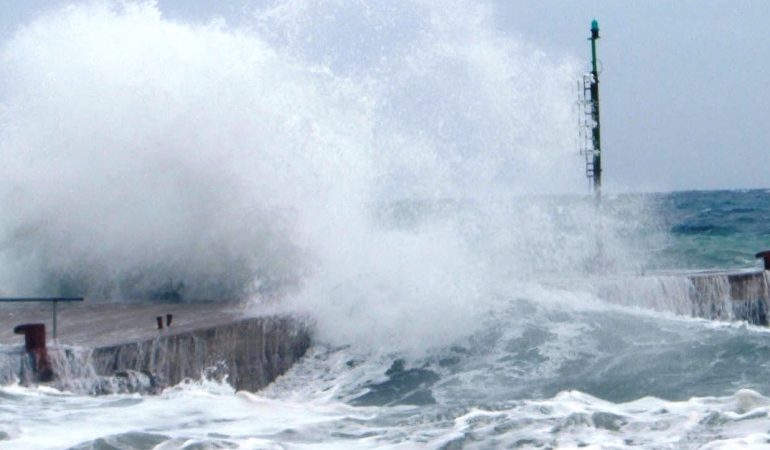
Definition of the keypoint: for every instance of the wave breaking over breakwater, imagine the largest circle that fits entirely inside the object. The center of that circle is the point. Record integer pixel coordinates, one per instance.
(365, 181)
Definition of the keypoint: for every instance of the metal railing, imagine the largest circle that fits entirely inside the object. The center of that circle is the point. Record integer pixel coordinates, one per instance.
(54, 300)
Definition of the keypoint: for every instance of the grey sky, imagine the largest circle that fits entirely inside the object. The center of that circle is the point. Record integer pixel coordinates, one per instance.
(684, 84)
(685, 100)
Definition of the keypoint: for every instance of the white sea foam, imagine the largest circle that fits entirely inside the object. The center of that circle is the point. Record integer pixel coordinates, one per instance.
(243, 420)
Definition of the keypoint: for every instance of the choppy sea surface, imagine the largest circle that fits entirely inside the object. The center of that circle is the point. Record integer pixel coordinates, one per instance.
(716, 230)
(544, 367)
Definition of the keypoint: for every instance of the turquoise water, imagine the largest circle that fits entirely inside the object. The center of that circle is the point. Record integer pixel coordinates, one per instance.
(714, 229)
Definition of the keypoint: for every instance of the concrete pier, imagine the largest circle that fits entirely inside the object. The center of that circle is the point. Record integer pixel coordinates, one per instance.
(108, 347)
(113, 347)
(747, 294)
(714, 295)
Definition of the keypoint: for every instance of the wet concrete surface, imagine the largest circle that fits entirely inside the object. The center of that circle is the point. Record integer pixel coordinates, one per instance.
(107, 348)
(97, 324)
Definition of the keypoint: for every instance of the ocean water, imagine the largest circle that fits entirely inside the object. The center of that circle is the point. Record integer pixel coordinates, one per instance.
(715, 229)
(542, 368)
(401, 174)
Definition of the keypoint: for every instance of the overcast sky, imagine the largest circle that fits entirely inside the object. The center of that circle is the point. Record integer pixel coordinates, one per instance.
(684, 85)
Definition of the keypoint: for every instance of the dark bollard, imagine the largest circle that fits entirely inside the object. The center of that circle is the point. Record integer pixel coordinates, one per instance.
(169, 317)
(34, 344)
(159, 319)
(765, 255)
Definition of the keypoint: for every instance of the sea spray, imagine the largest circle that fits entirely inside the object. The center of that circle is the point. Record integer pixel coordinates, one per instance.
(471, 127)
(148, 158)
(156, 159)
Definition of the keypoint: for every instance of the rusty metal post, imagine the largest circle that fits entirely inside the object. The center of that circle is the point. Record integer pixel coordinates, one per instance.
(765, 255)
(34, 344)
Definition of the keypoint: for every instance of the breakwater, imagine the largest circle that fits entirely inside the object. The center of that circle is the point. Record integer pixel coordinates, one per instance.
(726, 296)
(107, 348)
(110, 348)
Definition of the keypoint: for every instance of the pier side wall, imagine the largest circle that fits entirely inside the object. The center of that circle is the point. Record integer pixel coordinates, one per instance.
(250, 352)
(710, 295)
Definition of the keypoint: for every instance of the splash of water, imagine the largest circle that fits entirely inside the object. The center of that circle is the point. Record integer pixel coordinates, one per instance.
(377, 164)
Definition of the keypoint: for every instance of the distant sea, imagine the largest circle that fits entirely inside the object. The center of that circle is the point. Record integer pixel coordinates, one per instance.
(715, 229)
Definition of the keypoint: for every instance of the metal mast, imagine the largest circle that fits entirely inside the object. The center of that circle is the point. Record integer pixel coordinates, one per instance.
(595, 130)
(591, 143)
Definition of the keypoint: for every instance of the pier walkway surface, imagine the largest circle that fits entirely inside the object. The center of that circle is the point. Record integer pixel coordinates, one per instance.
(95, 324)
(118, 347)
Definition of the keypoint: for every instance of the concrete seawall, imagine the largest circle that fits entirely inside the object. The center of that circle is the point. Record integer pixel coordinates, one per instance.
(106, 348)
(250, 352)
(746, 293)
(739, 295)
